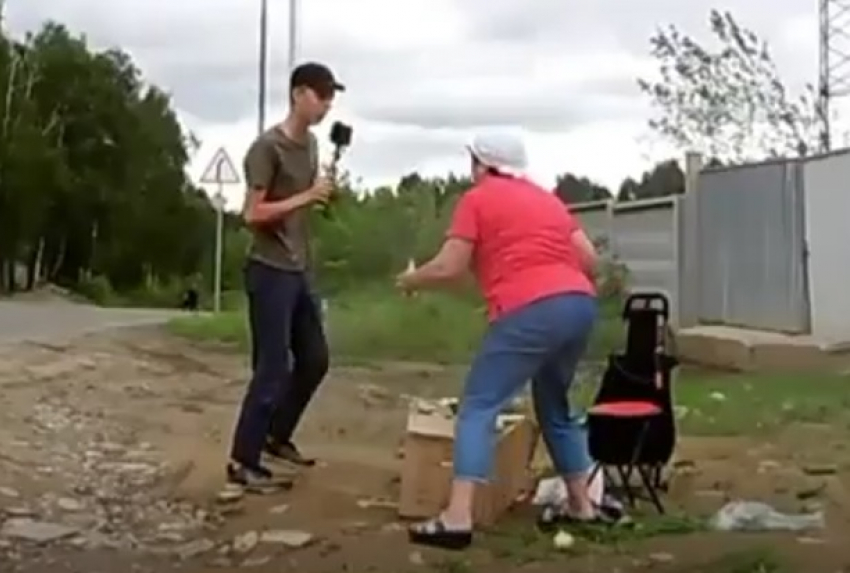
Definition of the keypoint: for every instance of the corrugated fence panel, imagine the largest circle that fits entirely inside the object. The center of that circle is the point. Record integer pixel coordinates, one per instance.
(751, 261)
(595, 218)
(645, 239)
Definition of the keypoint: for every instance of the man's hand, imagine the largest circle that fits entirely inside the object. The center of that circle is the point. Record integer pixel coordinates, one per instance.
(320, 192)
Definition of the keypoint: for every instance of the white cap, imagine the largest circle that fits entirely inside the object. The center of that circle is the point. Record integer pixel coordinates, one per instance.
(504, 152)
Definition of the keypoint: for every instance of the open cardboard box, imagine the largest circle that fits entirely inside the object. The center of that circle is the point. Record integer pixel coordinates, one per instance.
(427, 468)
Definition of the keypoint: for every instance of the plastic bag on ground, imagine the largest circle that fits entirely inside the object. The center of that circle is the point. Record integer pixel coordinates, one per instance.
(757, 516)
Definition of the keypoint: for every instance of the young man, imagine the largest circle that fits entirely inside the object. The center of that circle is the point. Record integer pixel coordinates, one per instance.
(281, 171)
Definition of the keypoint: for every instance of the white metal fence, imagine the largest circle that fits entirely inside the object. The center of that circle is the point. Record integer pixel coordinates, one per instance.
(765, 246)
(751, 259)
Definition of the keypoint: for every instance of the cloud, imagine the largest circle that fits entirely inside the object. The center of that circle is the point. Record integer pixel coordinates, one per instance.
(407, 146)
(545, 94)
(422, 74)
(608, 22)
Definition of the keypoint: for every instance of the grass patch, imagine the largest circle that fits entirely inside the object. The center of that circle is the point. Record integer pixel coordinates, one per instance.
(763, 560)
(376, 324)
(521, 544)
(228, 327)
(453, 565)
(739, 404)
(713, 403)
(433, 327)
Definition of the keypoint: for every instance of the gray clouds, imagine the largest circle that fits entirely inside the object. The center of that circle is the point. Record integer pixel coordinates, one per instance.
(613, 23)
(420, 72)
(410, 149)
(205, 54)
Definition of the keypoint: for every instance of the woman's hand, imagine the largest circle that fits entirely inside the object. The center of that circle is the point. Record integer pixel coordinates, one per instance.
(405, 281)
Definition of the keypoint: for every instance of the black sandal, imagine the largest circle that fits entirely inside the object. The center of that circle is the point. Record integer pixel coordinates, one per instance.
(434, 533)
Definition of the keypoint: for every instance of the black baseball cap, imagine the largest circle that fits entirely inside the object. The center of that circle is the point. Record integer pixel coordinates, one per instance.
(317, 77)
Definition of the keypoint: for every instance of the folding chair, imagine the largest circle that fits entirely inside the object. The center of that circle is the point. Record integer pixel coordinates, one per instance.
(632, 423)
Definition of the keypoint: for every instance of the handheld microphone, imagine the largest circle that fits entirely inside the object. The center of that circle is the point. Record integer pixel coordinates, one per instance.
(341, 135)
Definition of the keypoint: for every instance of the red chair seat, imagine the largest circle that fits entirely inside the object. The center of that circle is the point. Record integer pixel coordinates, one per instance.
(625, 409)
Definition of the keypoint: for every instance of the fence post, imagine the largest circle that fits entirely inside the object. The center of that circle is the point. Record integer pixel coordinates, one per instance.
(612, 231)
(688, 254)
(676, 217)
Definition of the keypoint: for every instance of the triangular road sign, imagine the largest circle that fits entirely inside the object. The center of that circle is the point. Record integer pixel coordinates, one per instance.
(220, 170)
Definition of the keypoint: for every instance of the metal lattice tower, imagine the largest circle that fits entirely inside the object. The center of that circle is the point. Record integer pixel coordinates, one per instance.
(834, 61)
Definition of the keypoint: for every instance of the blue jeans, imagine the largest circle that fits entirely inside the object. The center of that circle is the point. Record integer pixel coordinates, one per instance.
(544, 342)
(289, 357)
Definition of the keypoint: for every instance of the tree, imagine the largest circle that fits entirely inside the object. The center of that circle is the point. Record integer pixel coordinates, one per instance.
(92, 170)
(571, 189)
(665, 178)
(728, 103)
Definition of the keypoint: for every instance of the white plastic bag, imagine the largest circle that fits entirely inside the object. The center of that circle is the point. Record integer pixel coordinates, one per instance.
(553, 492)
(757, 516)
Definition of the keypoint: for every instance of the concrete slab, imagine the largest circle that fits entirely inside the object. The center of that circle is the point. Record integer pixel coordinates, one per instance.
(759, 351)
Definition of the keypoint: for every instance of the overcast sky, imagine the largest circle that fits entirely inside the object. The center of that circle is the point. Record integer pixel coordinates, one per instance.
(423, 75)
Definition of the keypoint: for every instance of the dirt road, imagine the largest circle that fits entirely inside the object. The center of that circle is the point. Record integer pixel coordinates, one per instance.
(49, 320)
(113, 447)
(113, 444)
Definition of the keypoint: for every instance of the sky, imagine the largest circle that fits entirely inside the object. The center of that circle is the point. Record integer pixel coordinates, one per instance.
(424, 75)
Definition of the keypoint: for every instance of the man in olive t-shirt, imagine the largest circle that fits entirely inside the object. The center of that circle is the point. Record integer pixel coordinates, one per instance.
(284, 183)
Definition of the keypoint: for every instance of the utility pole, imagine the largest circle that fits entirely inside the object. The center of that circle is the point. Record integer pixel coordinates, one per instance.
(263, 66)
(292, 56)
(263, 60)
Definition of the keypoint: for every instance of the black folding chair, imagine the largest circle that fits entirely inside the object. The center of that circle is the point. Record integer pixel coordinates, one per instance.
(632, 423)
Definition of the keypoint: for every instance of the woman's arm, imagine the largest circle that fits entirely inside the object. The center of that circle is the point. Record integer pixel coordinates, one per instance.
(588, 257)
(455, 256)
(448, 265)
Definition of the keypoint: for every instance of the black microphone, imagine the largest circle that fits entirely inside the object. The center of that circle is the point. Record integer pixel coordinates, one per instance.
(341, 135)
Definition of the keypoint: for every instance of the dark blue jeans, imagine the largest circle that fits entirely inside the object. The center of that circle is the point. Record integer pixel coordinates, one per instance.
(289, 357)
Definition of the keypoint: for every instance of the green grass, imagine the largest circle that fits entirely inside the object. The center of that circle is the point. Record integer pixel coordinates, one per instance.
(714, 403)
(745, 404)
(762, 560)
(376, 324)
(517, 542)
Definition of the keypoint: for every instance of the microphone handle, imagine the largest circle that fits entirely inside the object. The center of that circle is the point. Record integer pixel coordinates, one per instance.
(326, 208)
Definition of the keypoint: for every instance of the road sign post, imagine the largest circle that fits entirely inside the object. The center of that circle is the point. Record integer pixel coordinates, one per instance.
(219, 172)
(219, 248)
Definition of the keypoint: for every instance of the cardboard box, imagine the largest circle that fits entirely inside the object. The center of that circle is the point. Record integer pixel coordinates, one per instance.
(427, 467)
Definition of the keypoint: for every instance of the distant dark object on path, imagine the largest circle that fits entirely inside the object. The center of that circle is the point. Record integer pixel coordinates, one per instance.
(191, 300)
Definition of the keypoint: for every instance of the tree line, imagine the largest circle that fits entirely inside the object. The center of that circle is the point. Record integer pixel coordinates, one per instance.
(92, 170)
(94, 192)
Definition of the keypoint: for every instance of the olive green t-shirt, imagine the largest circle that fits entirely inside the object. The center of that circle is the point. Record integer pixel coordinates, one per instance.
(283, 167)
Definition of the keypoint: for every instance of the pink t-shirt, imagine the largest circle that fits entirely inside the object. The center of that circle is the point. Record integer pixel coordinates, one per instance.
(523, 250)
